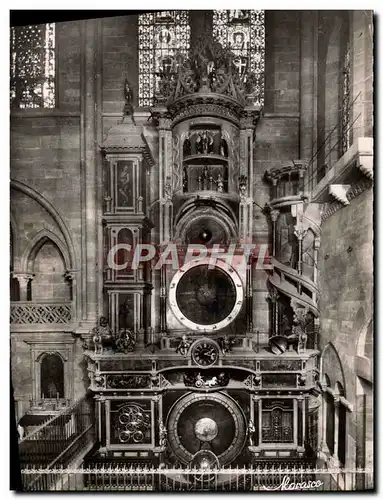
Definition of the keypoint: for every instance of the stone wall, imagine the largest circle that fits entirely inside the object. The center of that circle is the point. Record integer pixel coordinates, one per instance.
(346, 284)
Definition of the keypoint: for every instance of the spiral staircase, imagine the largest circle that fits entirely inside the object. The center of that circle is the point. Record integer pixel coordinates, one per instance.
(295, 224)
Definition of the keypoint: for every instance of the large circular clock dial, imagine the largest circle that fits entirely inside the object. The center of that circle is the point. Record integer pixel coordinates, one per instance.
(205, 297)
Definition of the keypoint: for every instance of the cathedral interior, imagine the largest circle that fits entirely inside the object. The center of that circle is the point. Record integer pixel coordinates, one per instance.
(191, 232)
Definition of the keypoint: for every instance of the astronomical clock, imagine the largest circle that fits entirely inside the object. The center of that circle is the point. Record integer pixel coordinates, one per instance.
(185, 371)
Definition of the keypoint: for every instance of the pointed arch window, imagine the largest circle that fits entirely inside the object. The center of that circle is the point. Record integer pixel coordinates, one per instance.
(33, 66)
(243, 31)
(160, 36)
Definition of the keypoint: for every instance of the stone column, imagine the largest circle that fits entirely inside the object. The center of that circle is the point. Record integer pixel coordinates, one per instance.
(165, 160)
(23, 279)
(247, 125)
(307, 97)
(88, 167)
(316, 249)
(274, 214)
(335, 457)
(274, 296)
(300, 233)
(257, 419)
(323, 448)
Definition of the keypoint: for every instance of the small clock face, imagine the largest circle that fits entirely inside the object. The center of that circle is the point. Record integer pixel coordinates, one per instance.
(205, 353)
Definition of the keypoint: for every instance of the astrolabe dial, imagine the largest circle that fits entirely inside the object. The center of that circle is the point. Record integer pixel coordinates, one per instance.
(205, 353)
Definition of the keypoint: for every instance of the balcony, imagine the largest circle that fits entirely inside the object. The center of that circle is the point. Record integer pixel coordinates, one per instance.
(354, 166)
(287, 184)
(32, 314)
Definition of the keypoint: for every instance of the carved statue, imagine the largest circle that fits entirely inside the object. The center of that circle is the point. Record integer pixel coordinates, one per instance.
(299, 327)
(184, 346)
(185, 180)
(210, 146)
(242, 186)
(168, 188)
(251, 432)
(211, 73)
(223, 151)
(199, 146)
(220, 183)
(205, 142)
(163, 434)
(102, 335)
(187, 146)
(128, 93)
(225, 344)
(97, 342)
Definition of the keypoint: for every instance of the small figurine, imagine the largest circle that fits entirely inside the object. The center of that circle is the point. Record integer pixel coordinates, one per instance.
(199, 146)
(183, 346)
(210, 146)
(185, 180)
(20, 431)
(97, 341)
(187, 146)
(223, 151)
(205, 142)
(251, 432)
(102, 335)
(220, 183)
(163, 433)
(212, 382)
(128, 108)
(226, 344)
(168, 188)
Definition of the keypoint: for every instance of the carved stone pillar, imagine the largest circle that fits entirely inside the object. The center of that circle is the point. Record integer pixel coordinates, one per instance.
(23, 279)
(273, 297)
(163, 325)
(323, 448)
(248, 124)
(300, 233)
(89, 165)
(316, 249)
(165, 173)
(335, 457)
(274, 214)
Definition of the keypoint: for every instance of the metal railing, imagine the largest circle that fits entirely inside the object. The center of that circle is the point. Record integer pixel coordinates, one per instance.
(326, 148)
(124, 478)
(61, 439)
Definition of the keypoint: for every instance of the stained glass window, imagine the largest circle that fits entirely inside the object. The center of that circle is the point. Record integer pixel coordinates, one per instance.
(33, 66)
(160, 36)
(243, 31)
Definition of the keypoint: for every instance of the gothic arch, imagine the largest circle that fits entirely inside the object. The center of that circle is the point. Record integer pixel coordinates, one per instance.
(42, 355)
(364, 336)
(14, 231)
(36, 243)
(331, 365)
(53, 212)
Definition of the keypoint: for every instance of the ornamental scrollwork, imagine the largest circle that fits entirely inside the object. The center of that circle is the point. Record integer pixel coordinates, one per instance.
(124, 381)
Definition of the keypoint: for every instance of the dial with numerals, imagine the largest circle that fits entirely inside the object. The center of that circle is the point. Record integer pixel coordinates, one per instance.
(205, 353)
